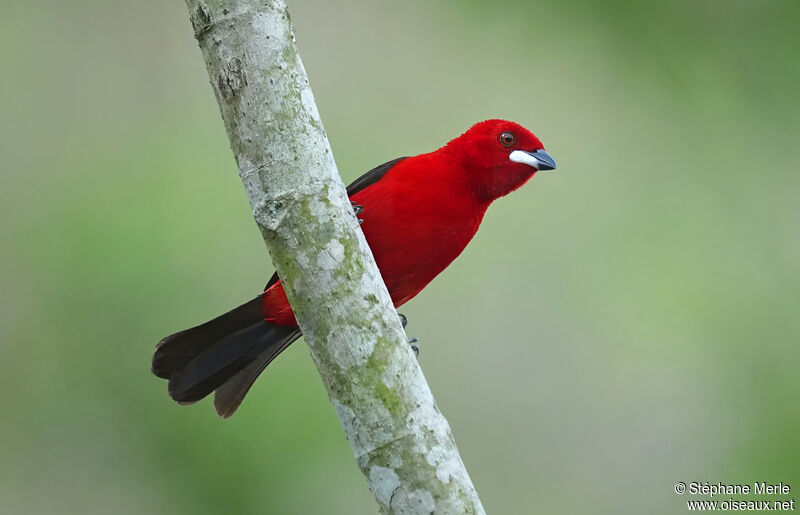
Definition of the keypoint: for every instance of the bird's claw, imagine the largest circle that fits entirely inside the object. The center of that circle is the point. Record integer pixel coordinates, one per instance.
(357, 210)
(411, 342)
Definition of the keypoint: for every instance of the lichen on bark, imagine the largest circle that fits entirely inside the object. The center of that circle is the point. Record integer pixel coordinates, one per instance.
(402, 443)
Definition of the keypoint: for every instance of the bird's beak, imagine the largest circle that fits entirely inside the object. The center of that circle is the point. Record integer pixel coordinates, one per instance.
(539, 159)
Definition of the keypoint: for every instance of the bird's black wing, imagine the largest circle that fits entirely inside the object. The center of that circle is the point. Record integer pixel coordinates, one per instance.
(369, 178)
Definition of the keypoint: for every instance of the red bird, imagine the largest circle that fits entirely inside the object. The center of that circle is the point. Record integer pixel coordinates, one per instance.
(418, 214)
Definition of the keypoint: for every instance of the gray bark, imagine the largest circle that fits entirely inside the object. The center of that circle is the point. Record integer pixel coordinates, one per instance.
(402, 443)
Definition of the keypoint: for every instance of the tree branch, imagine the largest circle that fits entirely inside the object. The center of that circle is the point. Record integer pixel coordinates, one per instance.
(402, 443)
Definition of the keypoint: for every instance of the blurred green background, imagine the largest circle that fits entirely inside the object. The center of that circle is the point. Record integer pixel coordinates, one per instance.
(626, 322)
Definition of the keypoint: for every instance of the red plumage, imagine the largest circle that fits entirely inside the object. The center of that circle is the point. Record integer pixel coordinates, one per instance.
(419, 213)
(422, 213)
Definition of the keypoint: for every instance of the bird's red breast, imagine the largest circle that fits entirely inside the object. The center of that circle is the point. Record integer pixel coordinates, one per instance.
(420, 214)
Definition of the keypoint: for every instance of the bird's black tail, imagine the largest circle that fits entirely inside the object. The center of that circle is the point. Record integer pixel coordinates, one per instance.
(225, 355)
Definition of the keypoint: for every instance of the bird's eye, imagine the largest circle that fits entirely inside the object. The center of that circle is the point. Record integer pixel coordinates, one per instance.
(507, 139)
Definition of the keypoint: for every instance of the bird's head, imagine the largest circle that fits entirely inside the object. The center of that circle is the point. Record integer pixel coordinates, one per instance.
(498, 156)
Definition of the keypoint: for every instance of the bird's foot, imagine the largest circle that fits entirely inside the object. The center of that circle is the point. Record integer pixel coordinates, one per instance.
(411, 341)
(357, 210)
